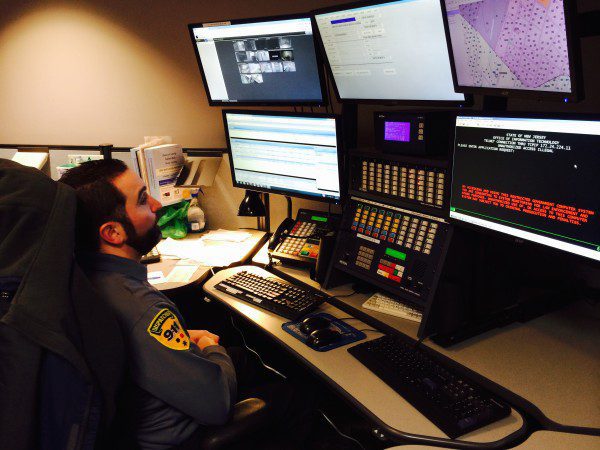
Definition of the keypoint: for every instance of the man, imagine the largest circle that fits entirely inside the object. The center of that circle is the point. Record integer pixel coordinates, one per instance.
(168, 365)
(180, 379)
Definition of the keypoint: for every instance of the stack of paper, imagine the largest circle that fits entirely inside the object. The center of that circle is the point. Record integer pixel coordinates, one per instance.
(226, 236)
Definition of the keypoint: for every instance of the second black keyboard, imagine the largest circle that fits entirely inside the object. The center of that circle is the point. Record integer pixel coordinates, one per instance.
(456, 406)
(271, 293)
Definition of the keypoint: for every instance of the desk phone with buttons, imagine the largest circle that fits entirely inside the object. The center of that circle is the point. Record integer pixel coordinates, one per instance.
(298, 241)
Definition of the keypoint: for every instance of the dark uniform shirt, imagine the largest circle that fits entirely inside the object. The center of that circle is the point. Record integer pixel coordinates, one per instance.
(177, 386)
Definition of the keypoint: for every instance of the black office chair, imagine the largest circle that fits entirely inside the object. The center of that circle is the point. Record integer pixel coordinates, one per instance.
(51, 324)
(249, 417)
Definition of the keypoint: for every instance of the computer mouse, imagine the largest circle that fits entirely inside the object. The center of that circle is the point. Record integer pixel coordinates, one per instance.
(314, 323)
(323, 337)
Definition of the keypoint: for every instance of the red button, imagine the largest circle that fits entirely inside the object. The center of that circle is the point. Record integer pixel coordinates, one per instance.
(353, 228)
(395, 278)
(385, 269)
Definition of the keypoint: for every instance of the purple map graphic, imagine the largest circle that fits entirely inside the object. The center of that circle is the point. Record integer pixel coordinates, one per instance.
(527, 35)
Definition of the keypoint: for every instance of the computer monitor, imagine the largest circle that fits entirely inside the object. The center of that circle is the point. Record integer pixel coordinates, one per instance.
(533, 178)
(267, 61)
(285, 153)
(388, 52)
(513, 47)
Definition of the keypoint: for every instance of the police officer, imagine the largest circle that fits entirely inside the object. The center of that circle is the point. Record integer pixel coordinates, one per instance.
(180, 378)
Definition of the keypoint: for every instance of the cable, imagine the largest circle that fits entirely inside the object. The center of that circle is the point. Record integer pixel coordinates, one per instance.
(350, 438)
(419, 342)
(255, 352)
(371, 329)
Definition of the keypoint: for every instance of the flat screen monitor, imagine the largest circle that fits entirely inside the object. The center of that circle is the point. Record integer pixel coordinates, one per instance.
(285, 153)
(269, 61)
(531, 178)
(393, 51)
(514, 47)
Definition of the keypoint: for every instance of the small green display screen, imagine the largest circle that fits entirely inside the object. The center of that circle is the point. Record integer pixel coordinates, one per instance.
(395, 254)
(319, 219)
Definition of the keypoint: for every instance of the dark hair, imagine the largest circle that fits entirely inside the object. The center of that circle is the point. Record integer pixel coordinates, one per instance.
(98, 200)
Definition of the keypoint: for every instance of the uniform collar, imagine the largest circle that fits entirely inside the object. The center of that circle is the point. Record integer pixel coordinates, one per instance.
(111, 263)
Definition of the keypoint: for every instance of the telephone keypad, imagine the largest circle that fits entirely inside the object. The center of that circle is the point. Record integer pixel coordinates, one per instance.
(301, 244)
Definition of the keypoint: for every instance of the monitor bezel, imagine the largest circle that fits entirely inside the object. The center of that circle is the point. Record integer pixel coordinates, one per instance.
(575, 67)
(386, 102)
(319, 60)
(340, 153)
(499, 234)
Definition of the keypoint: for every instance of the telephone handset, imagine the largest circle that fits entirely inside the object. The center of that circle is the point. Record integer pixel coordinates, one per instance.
(281, 232)
(299, 240)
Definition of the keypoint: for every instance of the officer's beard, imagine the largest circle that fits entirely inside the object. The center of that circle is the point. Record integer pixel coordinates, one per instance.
(142, 243)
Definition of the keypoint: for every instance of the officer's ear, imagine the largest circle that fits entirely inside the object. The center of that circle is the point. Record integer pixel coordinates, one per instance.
(112, 233)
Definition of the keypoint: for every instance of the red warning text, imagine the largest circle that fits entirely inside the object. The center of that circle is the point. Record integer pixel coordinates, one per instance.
(526, 205)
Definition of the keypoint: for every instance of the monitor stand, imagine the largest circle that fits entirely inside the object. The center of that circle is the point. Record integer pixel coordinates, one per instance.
(489, 283)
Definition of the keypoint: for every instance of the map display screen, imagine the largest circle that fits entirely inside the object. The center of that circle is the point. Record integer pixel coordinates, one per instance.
(510, 44)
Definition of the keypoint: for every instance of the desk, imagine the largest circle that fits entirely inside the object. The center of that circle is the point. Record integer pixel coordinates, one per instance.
(350, 378)
(552, 361)
(540, 440)
(246, 250)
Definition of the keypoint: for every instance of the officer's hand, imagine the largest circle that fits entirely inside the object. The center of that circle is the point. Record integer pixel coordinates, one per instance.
(205, 341)
(196, 335)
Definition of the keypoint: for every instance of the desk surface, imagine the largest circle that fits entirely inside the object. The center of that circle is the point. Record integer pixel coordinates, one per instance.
(246, 250)
(540, 440)
(552, 361)
(351, 378)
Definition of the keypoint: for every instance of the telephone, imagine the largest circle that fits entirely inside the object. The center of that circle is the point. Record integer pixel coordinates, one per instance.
(298, 241)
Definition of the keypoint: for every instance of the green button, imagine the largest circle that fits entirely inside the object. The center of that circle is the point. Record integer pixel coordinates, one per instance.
(395, 254)
(304, 253)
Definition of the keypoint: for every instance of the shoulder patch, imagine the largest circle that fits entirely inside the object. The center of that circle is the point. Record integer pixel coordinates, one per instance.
(167, 330)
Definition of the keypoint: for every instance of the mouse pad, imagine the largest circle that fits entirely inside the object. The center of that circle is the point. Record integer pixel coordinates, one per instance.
(348, 333)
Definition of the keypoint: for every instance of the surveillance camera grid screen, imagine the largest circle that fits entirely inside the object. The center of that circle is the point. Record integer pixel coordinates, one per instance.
(260, 61)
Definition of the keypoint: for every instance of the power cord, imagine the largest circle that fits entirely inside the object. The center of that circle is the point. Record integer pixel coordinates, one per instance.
(255, 352)
(345, 436)
(371, 329)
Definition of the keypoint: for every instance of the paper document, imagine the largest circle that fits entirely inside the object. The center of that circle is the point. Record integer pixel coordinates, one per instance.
(181, 273)
(226, 235)
(156, 277)
(182, 249)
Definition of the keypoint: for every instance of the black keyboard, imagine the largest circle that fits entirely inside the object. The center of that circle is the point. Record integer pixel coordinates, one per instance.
(271, 293)
(454, 405)
(153, 256)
